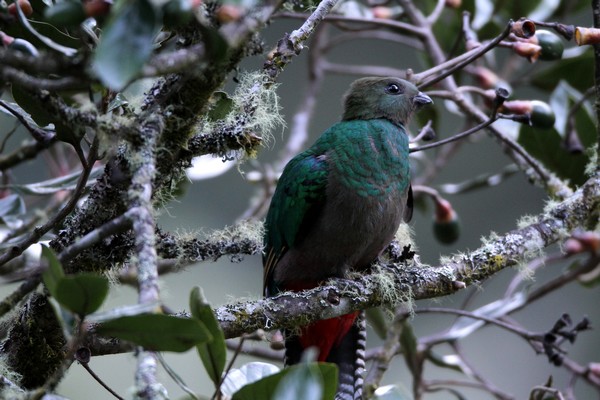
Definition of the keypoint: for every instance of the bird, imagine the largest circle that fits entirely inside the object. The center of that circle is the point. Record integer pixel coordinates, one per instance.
(336, 207)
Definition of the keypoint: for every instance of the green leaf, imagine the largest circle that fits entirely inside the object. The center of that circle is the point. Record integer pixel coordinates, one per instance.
(409, 342)
(65, 14)
(11, 206)
(450, 361)
(51, 186)
(26, 101)
(377, 321)
(212, 353)
(83, 293)
(126, 43)
(67, 51)
(157, 332)
(40, 114)
(578, 71)
(23, 114)
(54, 273)
(216, 44)
(426, 115)
(305, 381)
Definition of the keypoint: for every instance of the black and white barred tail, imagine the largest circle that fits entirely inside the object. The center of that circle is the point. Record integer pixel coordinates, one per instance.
(349, 357)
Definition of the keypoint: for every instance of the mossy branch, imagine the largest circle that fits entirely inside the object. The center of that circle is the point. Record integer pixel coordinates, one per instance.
(409, 283)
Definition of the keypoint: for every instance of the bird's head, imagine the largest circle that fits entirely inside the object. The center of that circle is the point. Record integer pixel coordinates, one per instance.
(391, 98)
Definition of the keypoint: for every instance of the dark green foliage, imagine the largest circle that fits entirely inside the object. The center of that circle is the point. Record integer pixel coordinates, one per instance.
(157, 332)
(299, 382)
(126, 43)
(213, 353)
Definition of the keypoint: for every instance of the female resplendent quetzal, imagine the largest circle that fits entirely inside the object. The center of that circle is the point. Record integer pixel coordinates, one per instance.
(336, 207)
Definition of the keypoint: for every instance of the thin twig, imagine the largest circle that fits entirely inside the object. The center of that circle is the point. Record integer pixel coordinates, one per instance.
(176, 378)
(229, 366)
(457, 63)
(377, 22)
(100, 381)
(494, 321)
(456, 137)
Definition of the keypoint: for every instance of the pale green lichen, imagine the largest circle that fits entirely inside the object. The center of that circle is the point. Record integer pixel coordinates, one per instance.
(8, 391)
(404, 235)
(255, 111)
(449, 259)
(251, 230)
(557, 187)
(387, 287)
(527, 220)
(550, 206)
(592, 165)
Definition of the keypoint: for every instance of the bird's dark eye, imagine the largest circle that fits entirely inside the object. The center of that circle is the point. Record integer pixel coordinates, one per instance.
(393, 88)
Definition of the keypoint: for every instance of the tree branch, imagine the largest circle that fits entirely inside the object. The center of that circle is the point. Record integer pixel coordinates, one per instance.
(394, 284)
(292, 44)
(145, 259)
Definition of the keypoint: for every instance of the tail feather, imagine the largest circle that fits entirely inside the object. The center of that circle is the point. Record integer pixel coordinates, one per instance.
(348, 354)
(350, 358)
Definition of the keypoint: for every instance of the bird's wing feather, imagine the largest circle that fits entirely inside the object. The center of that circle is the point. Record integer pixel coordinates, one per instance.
(299, 197)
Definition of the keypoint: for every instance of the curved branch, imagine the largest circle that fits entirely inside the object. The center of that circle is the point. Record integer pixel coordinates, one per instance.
(393, 284)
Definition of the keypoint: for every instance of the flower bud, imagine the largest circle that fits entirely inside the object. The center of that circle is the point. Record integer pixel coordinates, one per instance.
(446, 225)
(229, 13)
(453, 3)
(528, 50)
(523, 28)
(540, 114)
(25, 6)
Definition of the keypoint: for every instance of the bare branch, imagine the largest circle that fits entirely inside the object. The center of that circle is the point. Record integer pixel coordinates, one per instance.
(292, 44)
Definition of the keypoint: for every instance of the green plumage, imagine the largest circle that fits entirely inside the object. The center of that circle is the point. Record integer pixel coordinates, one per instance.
(336, 207)
(364, 155)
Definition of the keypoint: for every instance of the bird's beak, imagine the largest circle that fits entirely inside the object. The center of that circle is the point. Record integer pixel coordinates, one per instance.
(421, 99)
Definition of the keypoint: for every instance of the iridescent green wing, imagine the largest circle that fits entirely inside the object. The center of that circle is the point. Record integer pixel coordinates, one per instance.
(297, 201)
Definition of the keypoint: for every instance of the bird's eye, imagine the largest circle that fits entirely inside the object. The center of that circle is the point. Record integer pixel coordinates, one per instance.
(393, 88)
